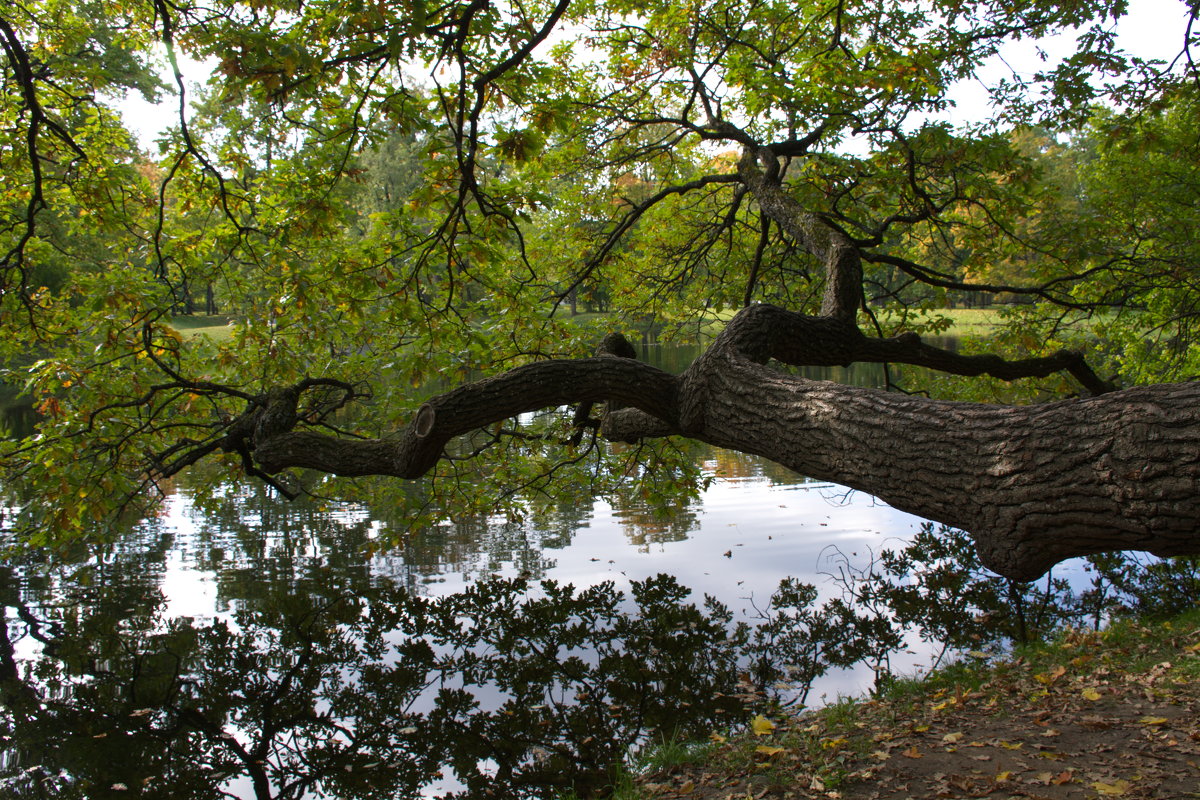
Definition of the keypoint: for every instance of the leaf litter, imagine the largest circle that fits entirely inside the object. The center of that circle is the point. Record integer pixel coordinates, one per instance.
(1098, 715)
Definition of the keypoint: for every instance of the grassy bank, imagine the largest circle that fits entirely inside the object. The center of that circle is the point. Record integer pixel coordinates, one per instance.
(1090, 715)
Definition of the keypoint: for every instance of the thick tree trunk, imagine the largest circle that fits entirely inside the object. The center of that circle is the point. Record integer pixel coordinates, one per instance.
(1033, 484)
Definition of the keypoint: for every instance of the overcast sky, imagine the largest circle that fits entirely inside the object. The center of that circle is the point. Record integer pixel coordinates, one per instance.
(1151, 29)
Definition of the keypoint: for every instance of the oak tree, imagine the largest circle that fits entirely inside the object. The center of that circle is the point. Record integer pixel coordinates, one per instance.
(398, 203)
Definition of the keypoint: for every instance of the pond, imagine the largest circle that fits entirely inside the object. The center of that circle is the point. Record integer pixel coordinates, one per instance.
(255, 648)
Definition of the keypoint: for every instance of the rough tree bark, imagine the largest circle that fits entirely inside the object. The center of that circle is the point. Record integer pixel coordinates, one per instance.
(1033, 484)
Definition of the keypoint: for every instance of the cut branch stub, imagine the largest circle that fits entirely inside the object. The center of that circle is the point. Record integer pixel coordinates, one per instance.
(423, 424)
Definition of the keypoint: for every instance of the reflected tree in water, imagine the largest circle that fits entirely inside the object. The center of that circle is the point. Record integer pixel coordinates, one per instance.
(502, 689)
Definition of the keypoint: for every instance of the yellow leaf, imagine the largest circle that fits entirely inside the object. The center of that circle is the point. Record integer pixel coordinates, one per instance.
(1112, 789)
(767, 750)
(1001, 777)
(1050, 677)
(911, 752)
(1153, 720)
(1091, 694)
(1012, 745)
(762, 726)
(951, 738)
(716, 737)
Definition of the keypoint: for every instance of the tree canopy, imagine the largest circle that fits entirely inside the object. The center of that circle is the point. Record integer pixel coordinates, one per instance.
(400, 206)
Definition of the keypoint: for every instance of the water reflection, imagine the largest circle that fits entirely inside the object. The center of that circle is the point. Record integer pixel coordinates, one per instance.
(332, 694)
(241, 644)
(265, 649)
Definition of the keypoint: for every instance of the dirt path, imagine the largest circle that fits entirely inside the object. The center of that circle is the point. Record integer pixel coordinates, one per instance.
(1093, 718)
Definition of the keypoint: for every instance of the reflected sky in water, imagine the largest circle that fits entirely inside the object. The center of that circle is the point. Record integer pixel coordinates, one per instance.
(755, 525)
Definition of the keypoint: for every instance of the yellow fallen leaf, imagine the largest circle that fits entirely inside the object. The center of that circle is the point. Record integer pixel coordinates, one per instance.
(716, 737)
(1012, 745)
(911, 752)
(1112, 789)
(688, 787)
(762, 726)
(951, 738)
(1153, 720)
(1090, 694)
(1002, 777)
(1050, 677)
(767, 750)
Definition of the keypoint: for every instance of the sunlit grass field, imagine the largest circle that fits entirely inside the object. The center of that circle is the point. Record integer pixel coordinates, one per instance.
(217, 327)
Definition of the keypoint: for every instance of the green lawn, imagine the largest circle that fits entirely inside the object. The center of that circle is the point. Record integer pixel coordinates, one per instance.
(965, 321)
(216, 327)
(972, 321)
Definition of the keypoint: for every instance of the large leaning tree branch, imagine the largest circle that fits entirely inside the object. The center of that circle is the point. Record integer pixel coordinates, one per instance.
(1034, 484)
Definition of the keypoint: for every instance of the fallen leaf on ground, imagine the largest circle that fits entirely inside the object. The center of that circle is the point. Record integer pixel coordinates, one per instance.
(762, 726)
(1115, 789)
(1050, 677)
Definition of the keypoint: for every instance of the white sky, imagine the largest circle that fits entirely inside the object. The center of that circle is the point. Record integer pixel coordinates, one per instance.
(1151, 29)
